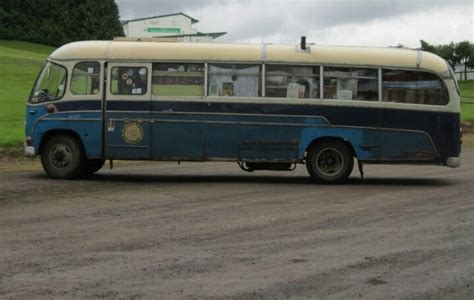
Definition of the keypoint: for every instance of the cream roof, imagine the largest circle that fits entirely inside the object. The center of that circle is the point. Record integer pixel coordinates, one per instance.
(161, 51)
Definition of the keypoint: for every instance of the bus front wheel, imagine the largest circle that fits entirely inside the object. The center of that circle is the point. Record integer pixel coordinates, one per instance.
(330, 161)
(62, 157)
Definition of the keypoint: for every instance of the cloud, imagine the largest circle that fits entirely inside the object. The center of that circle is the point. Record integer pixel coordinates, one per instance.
(367, 22)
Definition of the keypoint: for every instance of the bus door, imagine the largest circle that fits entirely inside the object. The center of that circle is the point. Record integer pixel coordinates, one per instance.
(127, 111)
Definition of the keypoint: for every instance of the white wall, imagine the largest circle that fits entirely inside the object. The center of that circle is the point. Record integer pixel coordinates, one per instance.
(141, 29)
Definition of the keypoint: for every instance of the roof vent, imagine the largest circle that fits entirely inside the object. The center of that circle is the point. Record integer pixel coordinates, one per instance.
(304, 46)
(303, 43)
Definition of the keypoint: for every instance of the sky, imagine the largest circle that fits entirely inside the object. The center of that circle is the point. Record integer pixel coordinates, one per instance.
(326, 22)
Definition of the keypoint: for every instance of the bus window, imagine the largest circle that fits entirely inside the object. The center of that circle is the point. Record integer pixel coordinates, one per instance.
(50, 84)
(85, 78)
(178, 79)
(129, 81)
(351, 84)
(413, 87)
(234, 80)
(283, 81)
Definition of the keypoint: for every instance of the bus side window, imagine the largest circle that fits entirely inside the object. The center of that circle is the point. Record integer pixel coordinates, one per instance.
(351, 84)
(129, 81)
(234, 80)
(178, 79)
(85, 79)
(283, 81)
(413, 87)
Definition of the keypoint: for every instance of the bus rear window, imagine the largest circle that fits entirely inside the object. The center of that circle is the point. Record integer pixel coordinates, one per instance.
(413, 87)
(50, 83)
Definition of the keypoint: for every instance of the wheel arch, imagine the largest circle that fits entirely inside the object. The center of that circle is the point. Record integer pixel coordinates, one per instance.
(330, 138)
(58, 132)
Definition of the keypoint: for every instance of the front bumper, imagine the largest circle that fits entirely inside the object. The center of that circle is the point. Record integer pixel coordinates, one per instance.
(29, 150)
(453, 162)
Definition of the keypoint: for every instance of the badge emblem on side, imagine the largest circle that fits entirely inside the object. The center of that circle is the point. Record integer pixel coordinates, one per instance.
(132, 133)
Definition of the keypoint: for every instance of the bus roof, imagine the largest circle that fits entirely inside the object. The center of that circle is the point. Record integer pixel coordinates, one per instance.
(328, 55)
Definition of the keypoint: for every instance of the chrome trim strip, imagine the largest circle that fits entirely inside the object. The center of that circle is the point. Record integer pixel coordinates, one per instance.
(380, 85)
(71, 119)
(419, 55)
(127, 146)
(205, 79)
(263, 54)
(238, 123)
(321, 82)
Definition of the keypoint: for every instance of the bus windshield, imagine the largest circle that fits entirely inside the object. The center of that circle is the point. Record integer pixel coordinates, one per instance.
(50, 84)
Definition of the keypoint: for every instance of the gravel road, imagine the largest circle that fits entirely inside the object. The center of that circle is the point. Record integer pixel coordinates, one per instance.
(210, 230)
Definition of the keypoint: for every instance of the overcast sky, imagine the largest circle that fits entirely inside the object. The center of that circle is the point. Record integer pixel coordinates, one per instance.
(329, 22)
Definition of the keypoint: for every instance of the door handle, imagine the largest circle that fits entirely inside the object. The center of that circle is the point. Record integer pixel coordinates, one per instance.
(32, 111)
(111, 126)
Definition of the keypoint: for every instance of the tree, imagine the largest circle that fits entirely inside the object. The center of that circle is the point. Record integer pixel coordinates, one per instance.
(56, 22)
(447, 52)
(425, 46)
(464, 53)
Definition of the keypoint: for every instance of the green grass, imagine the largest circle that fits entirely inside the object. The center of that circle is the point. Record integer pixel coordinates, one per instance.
(467, 100)
(20, 63)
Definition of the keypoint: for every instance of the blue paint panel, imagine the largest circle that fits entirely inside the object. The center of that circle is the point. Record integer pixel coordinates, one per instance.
(90, 132)
(115, 144)
(401, 145)
(178, 141)
(78, 105)
(196, 138)
(130, 106)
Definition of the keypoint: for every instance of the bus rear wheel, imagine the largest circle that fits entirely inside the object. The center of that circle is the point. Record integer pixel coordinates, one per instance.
(62, 157)
(330, 162)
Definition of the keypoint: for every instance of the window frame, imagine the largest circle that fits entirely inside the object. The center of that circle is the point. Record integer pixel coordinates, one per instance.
(109, 96)
(264, 85)
(258, 76)
(443, 83)
(376, 70)
(47, 62)
(184, 63)
(101, 82)
(262, 77)
(131, 65)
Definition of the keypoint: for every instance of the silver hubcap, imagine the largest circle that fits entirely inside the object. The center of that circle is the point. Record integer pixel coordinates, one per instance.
(329, 162)
(60, 156)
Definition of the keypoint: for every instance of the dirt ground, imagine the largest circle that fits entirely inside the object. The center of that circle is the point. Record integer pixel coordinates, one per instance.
(211, 230)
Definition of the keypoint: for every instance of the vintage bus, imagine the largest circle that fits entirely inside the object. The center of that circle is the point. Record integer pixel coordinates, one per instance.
(264, 106)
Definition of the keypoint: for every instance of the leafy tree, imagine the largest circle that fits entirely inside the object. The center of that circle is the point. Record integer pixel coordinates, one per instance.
(56, 22)
(447, 52)
(425, 46)
(464, 52)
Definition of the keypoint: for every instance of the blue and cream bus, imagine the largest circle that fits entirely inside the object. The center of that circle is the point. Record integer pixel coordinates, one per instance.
(264, 106)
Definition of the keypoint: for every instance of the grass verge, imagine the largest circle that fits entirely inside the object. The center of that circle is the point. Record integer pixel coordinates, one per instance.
(20, 63)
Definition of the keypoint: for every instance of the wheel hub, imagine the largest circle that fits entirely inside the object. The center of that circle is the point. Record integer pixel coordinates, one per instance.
(61, 156)
(330, 161)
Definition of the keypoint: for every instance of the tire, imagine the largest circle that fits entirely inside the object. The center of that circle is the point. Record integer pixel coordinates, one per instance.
(330, 162)
(94, 165)
(63, 157)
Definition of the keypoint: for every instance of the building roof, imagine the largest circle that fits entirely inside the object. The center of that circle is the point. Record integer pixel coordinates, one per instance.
(326, 55)
(214, 35)
(193, 21)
